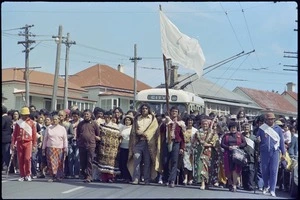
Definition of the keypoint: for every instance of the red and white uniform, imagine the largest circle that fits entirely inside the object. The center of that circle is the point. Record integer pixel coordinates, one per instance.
(25, 136)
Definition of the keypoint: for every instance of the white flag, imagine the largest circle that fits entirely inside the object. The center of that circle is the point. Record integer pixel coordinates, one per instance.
(182, 49)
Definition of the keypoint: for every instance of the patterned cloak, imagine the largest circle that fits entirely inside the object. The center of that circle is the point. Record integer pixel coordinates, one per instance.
(151, 135)
(107, 150)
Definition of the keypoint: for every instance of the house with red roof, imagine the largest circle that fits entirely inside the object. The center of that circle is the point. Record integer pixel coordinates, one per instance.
(98, 85)
(40, 90)
(108, 86)
(269, 101)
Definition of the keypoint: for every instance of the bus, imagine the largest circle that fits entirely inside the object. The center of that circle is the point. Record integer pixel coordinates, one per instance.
(186, 102)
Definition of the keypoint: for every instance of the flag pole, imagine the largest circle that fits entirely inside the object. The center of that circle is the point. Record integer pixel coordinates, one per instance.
(167, 95)
(166, 83)
(166, 79)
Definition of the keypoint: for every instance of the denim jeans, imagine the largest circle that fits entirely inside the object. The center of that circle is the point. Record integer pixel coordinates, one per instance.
(73, 160)
(5, 154)
(34, 163)
(170, 162)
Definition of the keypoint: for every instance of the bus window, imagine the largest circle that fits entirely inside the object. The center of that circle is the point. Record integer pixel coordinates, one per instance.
(181, 107)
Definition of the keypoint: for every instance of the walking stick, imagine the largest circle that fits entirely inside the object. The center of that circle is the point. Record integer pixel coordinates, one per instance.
(10, 161)
(255, 171)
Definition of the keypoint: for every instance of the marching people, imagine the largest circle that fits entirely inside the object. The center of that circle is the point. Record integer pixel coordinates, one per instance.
(25, 136)
(124, 146)
(214, 163)
(293, 146)
(258, 177)
(143, 144)
(248, 171)
(188, 156)
(284, 169)
(39, 156)
(7, 128)
(15, 118)
(206, 140)
(107, 150)
(174, 129)
(230, 141)
(34, 157)
(43, 165)
(73, 154)
(64, 121)
(99, 115)
(161, 144)
(241, 119)
(220, 152)
(87, 133)
(287, 134)
(118, 115)
(271, 141)
(55, 148)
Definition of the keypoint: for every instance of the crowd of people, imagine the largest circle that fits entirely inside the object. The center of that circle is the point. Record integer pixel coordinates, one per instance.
(141, 147)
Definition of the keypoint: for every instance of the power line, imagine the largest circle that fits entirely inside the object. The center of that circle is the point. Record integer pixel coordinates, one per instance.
(232, 74)
(110, 52)
(12, 29)
(232, 27)
(155, 68)
(249, 34)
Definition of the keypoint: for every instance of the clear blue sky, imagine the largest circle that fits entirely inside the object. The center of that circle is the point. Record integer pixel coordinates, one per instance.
(105, 33)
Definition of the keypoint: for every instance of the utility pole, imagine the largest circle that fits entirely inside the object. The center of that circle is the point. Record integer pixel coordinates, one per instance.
(135, 59)
(27, 44)
(68, 45)
(58, 40)
(292, 55)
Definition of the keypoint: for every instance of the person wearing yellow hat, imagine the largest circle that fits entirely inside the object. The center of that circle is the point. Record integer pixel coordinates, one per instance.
(25, 136)
(270, 137)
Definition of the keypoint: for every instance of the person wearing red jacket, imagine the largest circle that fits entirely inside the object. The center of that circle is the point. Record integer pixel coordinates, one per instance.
(25, 136)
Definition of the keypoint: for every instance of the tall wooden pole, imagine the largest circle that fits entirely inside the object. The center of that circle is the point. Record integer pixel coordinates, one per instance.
(57, 63)
(167, 96)
(166, 83)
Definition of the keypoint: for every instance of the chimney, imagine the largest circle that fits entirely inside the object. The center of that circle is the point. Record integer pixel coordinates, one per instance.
(173, 74)
(290, 86)
(121, 68)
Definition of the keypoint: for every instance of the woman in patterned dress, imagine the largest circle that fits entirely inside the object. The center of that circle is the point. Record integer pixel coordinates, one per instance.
(205, 141)
(55, 147)
(188, 152)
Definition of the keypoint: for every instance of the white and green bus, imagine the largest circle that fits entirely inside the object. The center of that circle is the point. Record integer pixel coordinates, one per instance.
(187, 102)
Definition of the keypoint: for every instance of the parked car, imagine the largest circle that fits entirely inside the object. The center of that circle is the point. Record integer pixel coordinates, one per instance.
(294, 179)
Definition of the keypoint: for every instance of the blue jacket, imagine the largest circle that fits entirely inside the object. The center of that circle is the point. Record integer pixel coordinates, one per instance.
(267, 143)
(293, 146)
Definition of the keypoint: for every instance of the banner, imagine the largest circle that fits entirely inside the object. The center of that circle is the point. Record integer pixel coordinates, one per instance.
(182, 49)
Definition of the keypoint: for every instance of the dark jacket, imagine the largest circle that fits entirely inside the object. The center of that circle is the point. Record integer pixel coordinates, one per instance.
(86, 134)
(6, 129)
(178, 134)
(250, 151)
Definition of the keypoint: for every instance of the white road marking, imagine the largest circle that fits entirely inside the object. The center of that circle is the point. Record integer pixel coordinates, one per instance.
(72, 190)
(12, 179)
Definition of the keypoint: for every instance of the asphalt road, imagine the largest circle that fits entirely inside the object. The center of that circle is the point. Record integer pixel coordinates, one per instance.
(76, 189)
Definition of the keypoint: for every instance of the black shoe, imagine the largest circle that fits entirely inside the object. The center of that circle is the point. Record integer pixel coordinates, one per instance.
(42, 176)
(172, 185)
(147, 183)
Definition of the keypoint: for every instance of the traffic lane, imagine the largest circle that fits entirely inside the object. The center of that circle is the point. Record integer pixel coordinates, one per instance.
(74, 188)
(41, 188)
